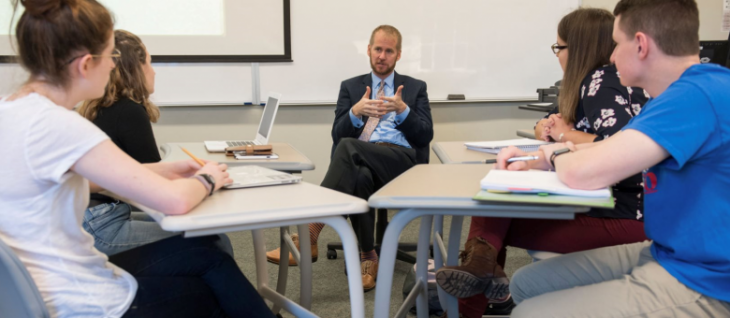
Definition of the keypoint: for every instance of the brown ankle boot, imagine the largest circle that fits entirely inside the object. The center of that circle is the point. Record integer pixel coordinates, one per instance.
(478, 273)
(369, 271)
(273, 255)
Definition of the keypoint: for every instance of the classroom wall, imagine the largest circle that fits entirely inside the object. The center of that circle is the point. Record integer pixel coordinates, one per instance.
(308, 128)
(710, 16)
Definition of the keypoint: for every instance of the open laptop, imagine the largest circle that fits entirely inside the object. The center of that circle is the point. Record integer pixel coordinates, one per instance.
(262, 135)
(256, 176)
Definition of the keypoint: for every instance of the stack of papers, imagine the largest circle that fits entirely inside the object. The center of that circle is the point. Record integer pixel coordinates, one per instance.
(494, 147)
(535, 181)
(521, 186)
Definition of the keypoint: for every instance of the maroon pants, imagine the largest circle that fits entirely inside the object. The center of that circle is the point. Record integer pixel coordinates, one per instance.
(558, 236)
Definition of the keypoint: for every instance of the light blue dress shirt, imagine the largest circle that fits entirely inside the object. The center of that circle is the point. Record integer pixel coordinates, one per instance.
(385, 131)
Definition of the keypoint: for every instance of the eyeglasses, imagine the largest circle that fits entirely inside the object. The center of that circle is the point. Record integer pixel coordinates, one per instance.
(115, 56)
(556, 48)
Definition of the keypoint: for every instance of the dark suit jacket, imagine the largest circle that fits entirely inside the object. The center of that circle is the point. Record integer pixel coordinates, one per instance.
(417, 128)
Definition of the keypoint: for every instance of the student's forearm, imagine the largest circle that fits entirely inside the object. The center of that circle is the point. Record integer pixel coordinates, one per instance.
(183, 196)
(588, 145)
(110, 168)
(619, 157)
(577, 170)
(173, 170)
(156, 167)
(171, 197)
(593, 143)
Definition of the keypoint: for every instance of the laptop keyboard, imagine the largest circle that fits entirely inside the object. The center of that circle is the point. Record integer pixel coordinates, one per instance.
(239, 143)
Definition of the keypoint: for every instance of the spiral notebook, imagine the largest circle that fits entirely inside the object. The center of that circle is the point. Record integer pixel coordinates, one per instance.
(539, 187)
(495, 146)
(535, 181)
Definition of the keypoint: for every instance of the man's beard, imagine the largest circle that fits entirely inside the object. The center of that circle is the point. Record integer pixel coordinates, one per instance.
(387, 71)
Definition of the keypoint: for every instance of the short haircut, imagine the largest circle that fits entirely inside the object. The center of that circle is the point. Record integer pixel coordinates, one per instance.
(673, 24)
(389, 30)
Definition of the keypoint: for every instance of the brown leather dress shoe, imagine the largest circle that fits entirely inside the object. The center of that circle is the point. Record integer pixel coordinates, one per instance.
(478, 273)
(273, 255)
(369, 274)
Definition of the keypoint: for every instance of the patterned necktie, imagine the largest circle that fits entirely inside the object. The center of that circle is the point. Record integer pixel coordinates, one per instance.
(372, 122)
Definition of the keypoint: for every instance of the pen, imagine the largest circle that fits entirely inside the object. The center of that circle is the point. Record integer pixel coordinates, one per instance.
(513, 159)
(200, 162)
(523, 158)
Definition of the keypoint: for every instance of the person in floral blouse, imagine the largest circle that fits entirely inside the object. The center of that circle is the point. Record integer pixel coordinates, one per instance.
(593, 106)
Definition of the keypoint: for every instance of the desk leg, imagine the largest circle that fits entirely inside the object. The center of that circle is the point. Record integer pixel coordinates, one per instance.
(452, 259)
(283, 265)
(305, 267)
(438, 229)
(259, 250)
(424, 238)
(438, 257)
(387, 259)
(352, 262)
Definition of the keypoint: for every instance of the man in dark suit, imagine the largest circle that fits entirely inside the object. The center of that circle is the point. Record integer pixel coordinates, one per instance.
(382, 128)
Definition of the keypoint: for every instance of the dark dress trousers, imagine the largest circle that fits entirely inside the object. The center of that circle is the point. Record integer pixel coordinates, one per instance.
(360, 168)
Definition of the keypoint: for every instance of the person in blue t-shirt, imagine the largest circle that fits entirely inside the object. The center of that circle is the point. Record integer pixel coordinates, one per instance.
(681, 142)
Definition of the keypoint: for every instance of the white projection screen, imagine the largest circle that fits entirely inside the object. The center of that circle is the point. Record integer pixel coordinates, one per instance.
(193, 30)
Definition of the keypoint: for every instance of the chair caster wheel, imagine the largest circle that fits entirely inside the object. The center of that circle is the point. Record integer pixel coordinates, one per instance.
(331, 254)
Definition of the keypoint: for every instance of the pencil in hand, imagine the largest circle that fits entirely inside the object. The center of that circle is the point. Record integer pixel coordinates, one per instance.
(200, 162)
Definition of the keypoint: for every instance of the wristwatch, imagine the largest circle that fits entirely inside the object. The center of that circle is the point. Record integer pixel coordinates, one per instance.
(557, 153)
(207, 180)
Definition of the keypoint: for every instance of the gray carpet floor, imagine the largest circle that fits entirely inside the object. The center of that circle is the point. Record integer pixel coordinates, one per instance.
(330, 292)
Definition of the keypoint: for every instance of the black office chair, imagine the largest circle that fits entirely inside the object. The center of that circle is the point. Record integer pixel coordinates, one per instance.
(380, 225)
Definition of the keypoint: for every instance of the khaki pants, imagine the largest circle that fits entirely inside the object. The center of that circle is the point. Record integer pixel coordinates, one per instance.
(616, 281)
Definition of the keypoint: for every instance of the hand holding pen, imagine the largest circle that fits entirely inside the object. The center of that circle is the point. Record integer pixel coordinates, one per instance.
(217, 170)
(537, 161)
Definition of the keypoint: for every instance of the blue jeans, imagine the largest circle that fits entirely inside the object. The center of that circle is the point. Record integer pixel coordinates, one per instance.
(116, 229)
(192, 277)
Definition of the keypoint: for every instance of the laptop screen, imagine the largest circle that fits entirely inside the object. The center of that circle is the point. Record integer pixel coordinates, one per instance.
(268, 119)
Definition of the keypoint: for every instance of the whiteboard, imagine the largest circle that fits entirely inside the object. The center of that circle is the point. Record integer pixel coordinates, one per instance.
(170, 28)
(196, 84)
(484, 49)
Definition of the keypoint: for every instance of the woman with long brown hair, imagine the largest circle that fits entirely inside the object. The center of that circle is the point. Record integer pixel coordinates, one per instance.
(67, 46)
(125, 113)
(593, 106)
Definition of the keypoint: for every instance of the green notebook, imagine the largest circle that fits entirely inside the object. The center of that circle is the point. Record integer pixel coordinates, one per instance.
(553, 199)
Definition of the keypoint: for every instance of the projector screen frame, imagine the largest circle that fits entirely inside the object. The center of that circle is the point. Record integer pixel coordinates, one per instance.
(286, 57)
